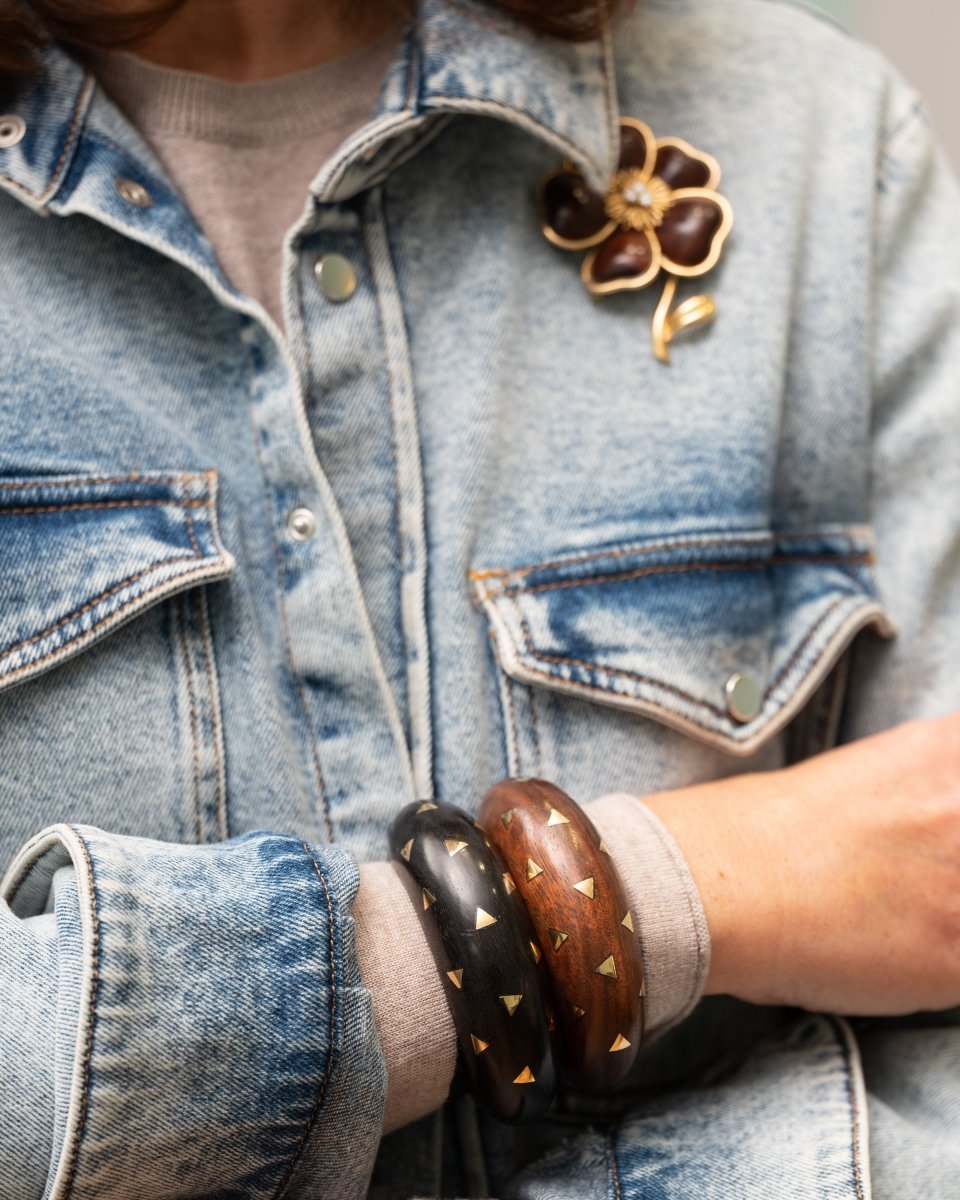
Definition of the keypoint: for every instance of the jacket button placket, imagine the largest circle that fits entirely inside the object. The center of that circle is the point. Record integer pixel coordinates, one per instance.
(325, 452)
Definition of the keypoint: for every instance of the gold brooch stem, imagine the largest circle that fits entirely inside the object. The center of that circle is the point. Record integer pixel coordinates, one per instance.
(692, 313)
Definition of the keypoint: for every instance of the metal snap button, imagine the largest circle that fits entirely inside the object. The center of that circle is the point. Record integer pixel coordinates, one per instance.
(744, 697)
(12, 129)
(134, 193)
(336, 277)
(301, 524)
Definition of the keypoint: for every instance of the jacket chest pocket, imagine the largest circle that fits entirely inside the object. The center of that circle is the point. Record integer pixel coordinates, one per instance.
(108, 693)
(723, 638)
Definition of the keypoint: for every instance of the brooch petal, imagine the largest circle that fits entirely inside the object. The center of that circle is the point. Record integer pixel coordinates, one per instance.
(572, 216)
(693, 231)
(627, 259)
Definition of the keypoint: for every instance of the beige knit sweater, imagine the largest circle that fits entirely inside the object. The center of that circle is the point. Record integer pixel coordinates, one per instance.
(242, 157)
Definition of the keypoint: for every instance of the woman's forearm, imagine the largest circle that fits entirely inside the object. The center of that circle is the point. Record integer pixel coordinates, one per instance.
(833, 885)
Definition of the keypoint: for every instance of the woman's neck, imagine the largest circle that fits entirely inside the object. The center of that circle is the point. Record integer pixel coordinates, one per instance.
(249, 40)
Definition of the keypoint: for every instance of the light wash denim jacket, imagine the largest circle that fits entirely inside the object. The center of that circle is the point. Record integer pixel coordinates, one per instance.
(536, 550)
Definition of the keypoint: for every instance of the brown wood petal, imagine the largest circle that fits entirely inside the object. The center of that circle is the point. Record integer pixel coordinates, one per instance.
(636, 144)
(579, 911)
(680, 169)
(570, 208)
(688, 231)
(624, 255)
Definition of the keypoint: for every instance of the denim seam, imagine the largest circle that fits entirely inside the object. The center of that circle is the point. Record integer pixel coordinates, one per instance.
(79, 612)
(412, 74)
(409, 506)
(841, 560)
(511, 708)
(854, 1109)
(333, 1011)
(54, 481)
(402, 557)
(656, 547)
(504, 683)
(72, 131)
(612, 1157)
(213, 688)
(535, 732)
(180, 620)
(73, 1154)
(637, 677)
(191, 534)
(288, 645)
(28, 510)
(88, 633)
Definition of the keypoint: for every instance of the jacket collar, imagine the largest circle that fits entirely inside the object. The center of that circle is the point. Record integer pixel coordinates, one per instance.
(458, 57)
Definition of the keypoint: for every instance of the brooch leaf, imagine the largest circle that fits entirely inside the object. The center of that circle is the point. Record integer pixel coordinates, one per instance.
(661, 214)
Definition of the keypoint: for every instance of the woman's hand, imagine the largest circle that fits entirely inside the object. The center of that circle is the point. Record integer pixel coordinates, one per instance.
(835, 884)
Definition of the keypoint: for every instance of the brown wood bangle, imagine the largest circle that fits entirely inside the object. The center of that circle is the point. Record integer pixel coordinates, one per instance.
(576, 902)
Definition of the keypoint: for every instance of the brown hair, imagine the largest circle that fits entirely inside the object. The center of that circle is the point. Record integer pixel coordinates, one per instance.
(26, 25)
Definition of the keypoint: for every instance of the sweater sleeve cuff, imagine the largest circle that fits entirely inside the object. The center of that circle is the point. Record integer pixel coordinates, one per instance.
(668, 913)
(399, 954)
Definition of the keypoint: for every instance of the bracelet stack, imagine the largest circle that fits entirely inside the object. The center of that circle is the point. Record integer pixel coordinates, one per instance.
(543, 962)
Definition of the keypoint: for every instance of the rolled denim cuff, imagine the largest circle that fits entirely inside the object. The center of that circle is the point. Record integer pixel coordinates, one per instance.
(220, 1040)
(668, 913)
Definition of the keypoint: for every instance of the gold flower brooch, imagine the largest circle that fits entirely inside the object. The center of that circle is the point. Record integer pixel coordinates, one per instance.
(661, 214)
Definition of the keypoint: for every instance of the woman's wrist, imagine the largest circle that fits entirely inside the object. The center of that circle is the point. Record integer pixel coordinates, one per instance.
(732, 858)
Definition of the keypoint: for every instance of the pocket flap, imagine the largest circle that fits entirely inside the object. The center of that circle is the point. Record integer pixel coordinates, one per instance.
(662, 627)
(81, 555)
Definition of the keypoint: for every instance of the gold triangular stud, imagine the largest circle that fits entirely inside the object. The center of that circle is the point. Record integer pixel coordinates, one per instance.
(426, 806)
(619, 1043)
(479, 1045)
(557, 818)
(603, 847)
(453, 846)
(585, 886)
(456, 977)
(484, 919)
(428, 898)
(525, 1076)
(533, 869)
(508, 883)
(405, 852)
(577, 1011)
(558, 937)
(608, 967)
(535, 951)
(627, 921)
(511, 1003)
(643, 989)
(507, 817)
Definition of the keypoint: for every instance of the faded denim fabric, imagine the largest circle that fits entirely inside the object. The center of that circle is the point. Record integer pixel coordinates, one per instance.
(538, 551)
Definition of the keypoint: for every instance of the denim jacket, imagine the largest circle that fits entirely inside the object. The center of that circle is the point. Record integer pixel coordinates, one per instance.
(528, 547)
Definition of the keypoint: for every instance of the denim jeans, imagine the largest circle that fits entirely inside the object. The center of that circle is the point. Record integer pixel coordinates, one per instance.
(535, 550)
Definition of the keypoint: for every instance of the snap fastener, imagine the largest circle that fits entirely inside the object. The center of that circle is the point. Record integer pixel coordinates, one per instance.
(301, 524)
(336, 277)
(134, 193)
(744, 697)
(12, 129)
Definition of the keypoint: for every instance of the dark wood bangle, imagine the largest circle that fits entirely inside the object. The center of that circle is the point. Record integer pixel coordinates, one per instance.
(578, 908)
(495, 981)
